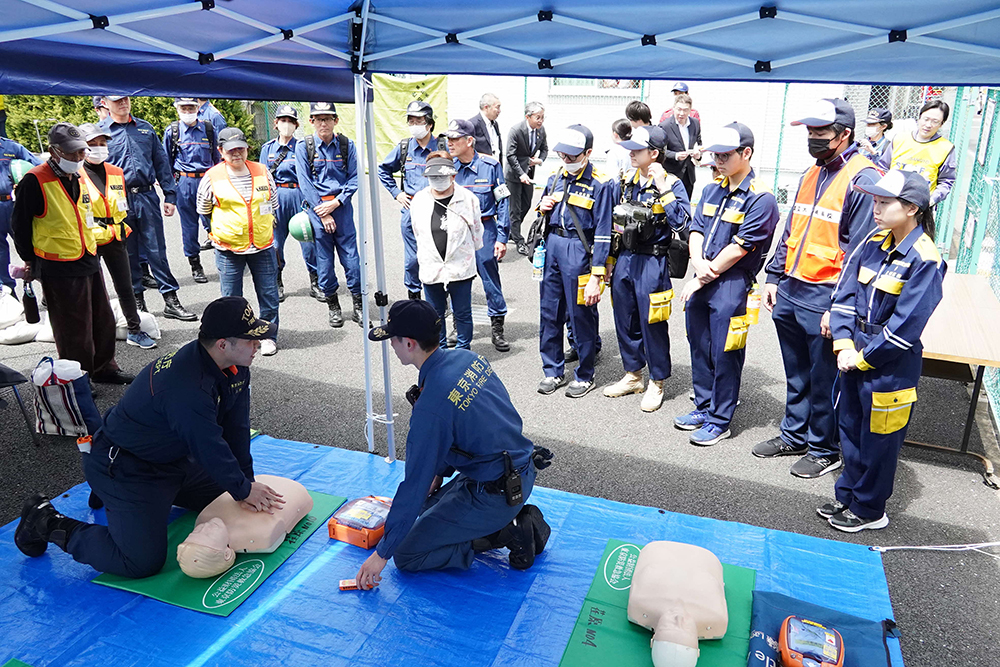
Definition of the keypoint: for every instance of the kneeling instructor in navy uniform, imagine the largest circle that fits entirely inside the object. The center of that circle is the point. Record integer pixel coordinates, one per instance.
(179, 436)
(434, 527)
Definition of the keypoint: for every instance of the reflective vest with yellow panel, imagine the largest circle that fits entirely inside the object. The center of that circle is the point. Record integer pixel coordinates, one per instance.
(63, 232)
(814, 254)
(110, 207)
(926, 158)
(238, 224)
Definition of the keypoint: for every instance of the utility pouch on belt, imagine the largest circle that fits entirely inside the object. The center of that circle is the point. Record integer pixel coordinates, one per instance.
(659, 306)
(511, 482)
(630, 236)
(581, 284)
(736, 339)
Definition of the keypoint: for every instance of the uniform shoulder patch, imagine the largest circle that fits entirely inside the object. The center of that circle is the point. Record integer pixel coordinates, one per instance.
(600, 176)
(758, 186)
(488, 159)
(878, 236)
(927, 250)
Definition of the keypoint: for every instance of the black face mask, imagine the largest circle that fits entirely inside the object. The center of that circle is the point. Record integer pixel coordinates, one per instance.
(820, 148)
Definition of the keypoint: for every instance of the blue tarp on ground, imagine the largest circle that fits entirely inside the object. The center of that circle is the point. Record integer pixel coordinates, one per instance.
(50, 613)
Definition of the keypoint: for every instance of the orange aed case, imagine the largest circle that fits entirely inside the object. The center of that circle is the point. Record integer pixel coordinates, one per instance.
(360, 522)
(804, 643)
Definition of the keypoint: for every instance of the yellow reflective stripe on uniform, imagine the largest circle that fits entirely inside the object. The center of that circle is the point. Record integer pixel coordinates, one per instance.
(865, 275)
(709, 210)
(557, 196)
(732, 215)
(580, 201)
(842, 344)
(889, 285)
(861, 363)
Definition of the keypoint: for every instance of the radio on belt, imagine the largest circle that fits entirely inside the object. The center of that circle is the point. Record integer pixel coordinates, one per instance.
(360, 522)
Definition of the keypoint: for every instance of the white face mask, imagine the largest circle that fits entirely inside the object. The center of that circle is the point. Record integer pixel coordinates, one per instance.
(97, 154)
(419, 131)
(573, 167)
(286, 128)
(439, 183)
(188, 118)
(68, 166)
(872, 131)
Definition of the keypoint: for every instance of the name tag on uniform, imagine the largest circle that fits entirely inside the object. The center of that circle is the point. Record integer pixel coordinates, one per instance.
(501, 192)
(122, 204)
(90, 220)
(265, 208)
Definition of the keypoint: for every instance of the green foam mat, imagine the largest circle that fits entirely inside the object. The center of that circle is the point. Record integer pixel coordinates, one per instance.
(603, 634)
(14, 662)
(221, 595)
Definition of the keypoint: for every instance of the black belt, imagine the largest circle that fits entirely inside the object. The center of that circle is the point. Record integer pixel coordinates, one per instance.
(136, 189)
(496, 486)
(105, 221)
(6, 198)
(868, 327)
(567, 234)
(287, 185)
(654, 250)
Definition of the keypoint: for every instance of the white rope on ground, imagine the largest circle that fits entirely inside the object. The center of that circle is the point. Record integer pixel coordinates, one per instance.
(944, 547)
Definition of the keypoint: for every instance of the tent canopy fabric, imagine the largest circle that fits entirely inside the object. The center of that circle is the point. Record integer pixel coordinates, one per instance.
(308, 49)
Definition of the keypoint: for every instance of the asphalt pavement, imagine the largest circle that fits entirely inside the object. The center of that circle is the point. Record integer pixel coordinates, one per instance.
(313, 391)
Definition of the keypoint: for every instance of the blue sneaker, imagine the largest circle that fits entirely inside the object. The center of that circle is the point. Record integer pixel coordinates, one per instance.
(691, 421)
(709, 434)
(141, 339)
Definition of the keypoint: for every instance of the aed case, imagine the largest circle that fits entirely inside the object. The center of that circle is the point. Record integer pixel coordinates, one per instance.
(804, 643)
(360, 522)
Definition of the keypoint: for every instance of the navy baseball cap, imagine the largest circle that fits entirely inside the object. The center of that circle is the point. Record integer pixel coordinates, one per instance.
(908, 185)
(729, 138)
(827, 112)
(459, 128)
(92, 131)
(408, 318)
(879, 115)
(680, 87)
(233, 317)
(287, 111)
(178, 101)
(99, 102)
(419, 108)
(574, 140)
(232, 137)
(651, 136)
(322, 109)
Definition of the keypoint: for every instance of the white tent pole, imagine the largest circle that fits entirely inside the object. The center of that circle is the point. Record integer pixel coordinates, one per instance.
(365, 197)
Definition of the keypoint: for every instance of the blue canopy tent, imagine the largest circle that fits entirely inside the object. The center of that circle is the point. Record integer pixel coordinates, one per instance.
(320, 49)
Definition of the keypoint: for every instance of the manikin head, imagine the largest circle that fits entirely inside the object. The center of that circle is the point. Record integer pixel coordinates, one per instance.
(206, 553)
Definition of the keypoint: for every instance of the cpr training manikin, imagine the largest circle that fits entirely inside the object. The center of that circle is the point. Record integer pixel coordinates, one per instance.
(224, 529)
(678, 593)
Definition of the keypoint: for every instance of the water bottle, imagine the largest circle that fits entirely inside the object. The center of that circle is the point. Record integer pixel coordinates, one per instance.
(753, 303)
(30, 304)
(538, 263)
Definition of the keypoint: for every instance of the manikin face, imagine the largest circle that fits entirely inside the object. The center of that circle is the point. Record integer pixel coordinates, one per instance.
(206, 553)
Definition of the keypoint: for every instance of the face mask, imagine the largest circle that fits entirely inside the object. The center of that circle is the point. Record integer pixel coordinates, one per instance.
(439, 183)
(285, 128)
(189, 118)
(68, 166)
(871, 132)
(573, 167)
(820, 148)
(97, 154)
(419, 131)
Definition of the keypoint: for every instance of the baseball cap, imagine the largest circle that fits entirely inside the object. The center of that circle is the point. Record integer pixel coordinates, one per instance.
(459, 128)
(91, 131)
(232, 137)
(233, 317)
(115, 98)
(419, 108)
(827, 112)
(651, 136)
(67, 137)
(287, 111)
(409, 319)
(679, 87)
(574, 140)
(178, 101)
(908, 185)
(729, 138)
(440, 166)
(99, 101)
(879, 115)
(322, 109)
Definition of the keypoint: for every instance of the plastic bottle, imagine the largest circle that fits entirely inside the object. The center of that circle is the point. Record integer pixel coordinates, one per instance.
(753, 303)
(30, 304)
(538, 263)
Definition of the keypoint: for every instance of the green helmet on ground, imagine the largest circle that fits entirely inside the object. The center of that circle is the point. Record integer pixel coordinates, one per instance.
(18, 168)
(300, 227)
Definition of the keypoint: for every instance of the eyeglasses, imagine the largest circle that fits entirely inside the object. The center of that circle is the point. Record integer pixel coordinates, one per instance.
(568, 158)
(323, 119)
(722, 158)
(416, 121)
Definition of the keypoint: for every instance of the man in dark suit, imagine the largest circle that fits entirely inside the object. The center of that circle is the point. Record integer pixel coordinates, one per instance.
(526, 149)
(683, 142)
(487, 131)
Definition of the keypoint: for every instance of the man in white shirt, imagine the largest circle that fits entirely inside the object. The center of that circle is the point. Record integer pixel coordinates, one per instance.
(487, 130)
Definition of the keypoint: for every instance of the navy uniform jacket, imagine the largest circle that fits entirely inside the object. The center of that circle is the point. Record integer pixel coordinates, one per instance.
(413, 174)
(184, 406)
(746, 215)
(207, 111)
(269, 154)
(671, 210)
(593, 196)
(135, 148)
(336, 175)
(11, 150)
(895, 289)
(460, 395)
(856, 223)
(194, 152)
(484, 178)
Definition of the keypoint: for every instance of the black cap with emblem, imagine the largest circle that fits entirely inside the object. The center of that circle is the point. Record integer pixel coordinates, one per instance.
(233, 317)
(414, 319)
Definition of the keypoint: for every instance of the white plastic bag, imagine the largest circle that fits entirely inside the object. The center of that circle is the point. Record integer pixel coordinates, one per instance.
(11, 310)
(22, 332)
(147, 323)
(44, 334)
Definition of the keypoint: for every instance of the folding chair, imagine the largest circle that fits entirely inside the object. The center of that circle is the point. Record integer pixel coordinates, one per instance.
(9, 379)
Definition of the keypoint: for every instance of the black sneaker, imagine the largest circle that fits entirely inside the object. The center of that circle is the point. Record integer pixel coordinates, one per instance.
(31, 536)
(811, 466)
(539, 528)
(775, 447)
(522, 248)
(579, 388)
(829, 509)
(549, 384)
(116, 376)
(849, 522)
(571, 355)
(521, 541)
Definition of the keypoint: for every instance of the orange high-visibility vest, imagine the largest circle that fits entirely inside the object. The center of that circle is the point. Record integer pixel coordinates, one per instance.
(238, 224)
(110, 206)
(62, 232)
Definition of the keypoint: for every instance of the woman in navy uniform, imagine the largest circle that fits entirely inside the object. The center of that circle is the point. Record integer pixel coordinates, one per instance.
(886, 294)
(641, 291)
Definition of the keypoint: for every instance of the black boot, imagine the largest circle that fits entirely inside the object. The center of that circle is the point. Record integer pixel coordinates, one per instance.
(336, 317)
(498, 340)
(148, 281)
(173, 309)
(40, 524)
(197, 272)
(140, 302)
(358, 305)
(314, 290)
(281, 288)
(413, 295)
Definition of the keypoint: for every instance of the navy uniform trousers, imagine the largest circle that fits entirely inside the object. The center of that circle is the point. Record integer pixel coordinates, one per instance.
(187, 209)
(137, 497)
(716, 373)
(489, 269)
(565, 261)
(455, 515)
(290, 203)
(344, 243)
(411, 270)
(810, 370)
(635, 277)
(146, 242)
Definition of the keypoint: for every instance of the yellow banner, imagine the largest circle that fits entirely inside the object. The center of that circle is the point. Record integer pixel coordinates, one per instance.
(392, 94)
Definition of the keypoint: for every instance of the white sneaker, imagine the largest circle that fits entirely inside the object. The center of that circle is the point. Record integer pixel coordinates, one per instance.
(268, 347)
(630, 384)
(653, 398)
